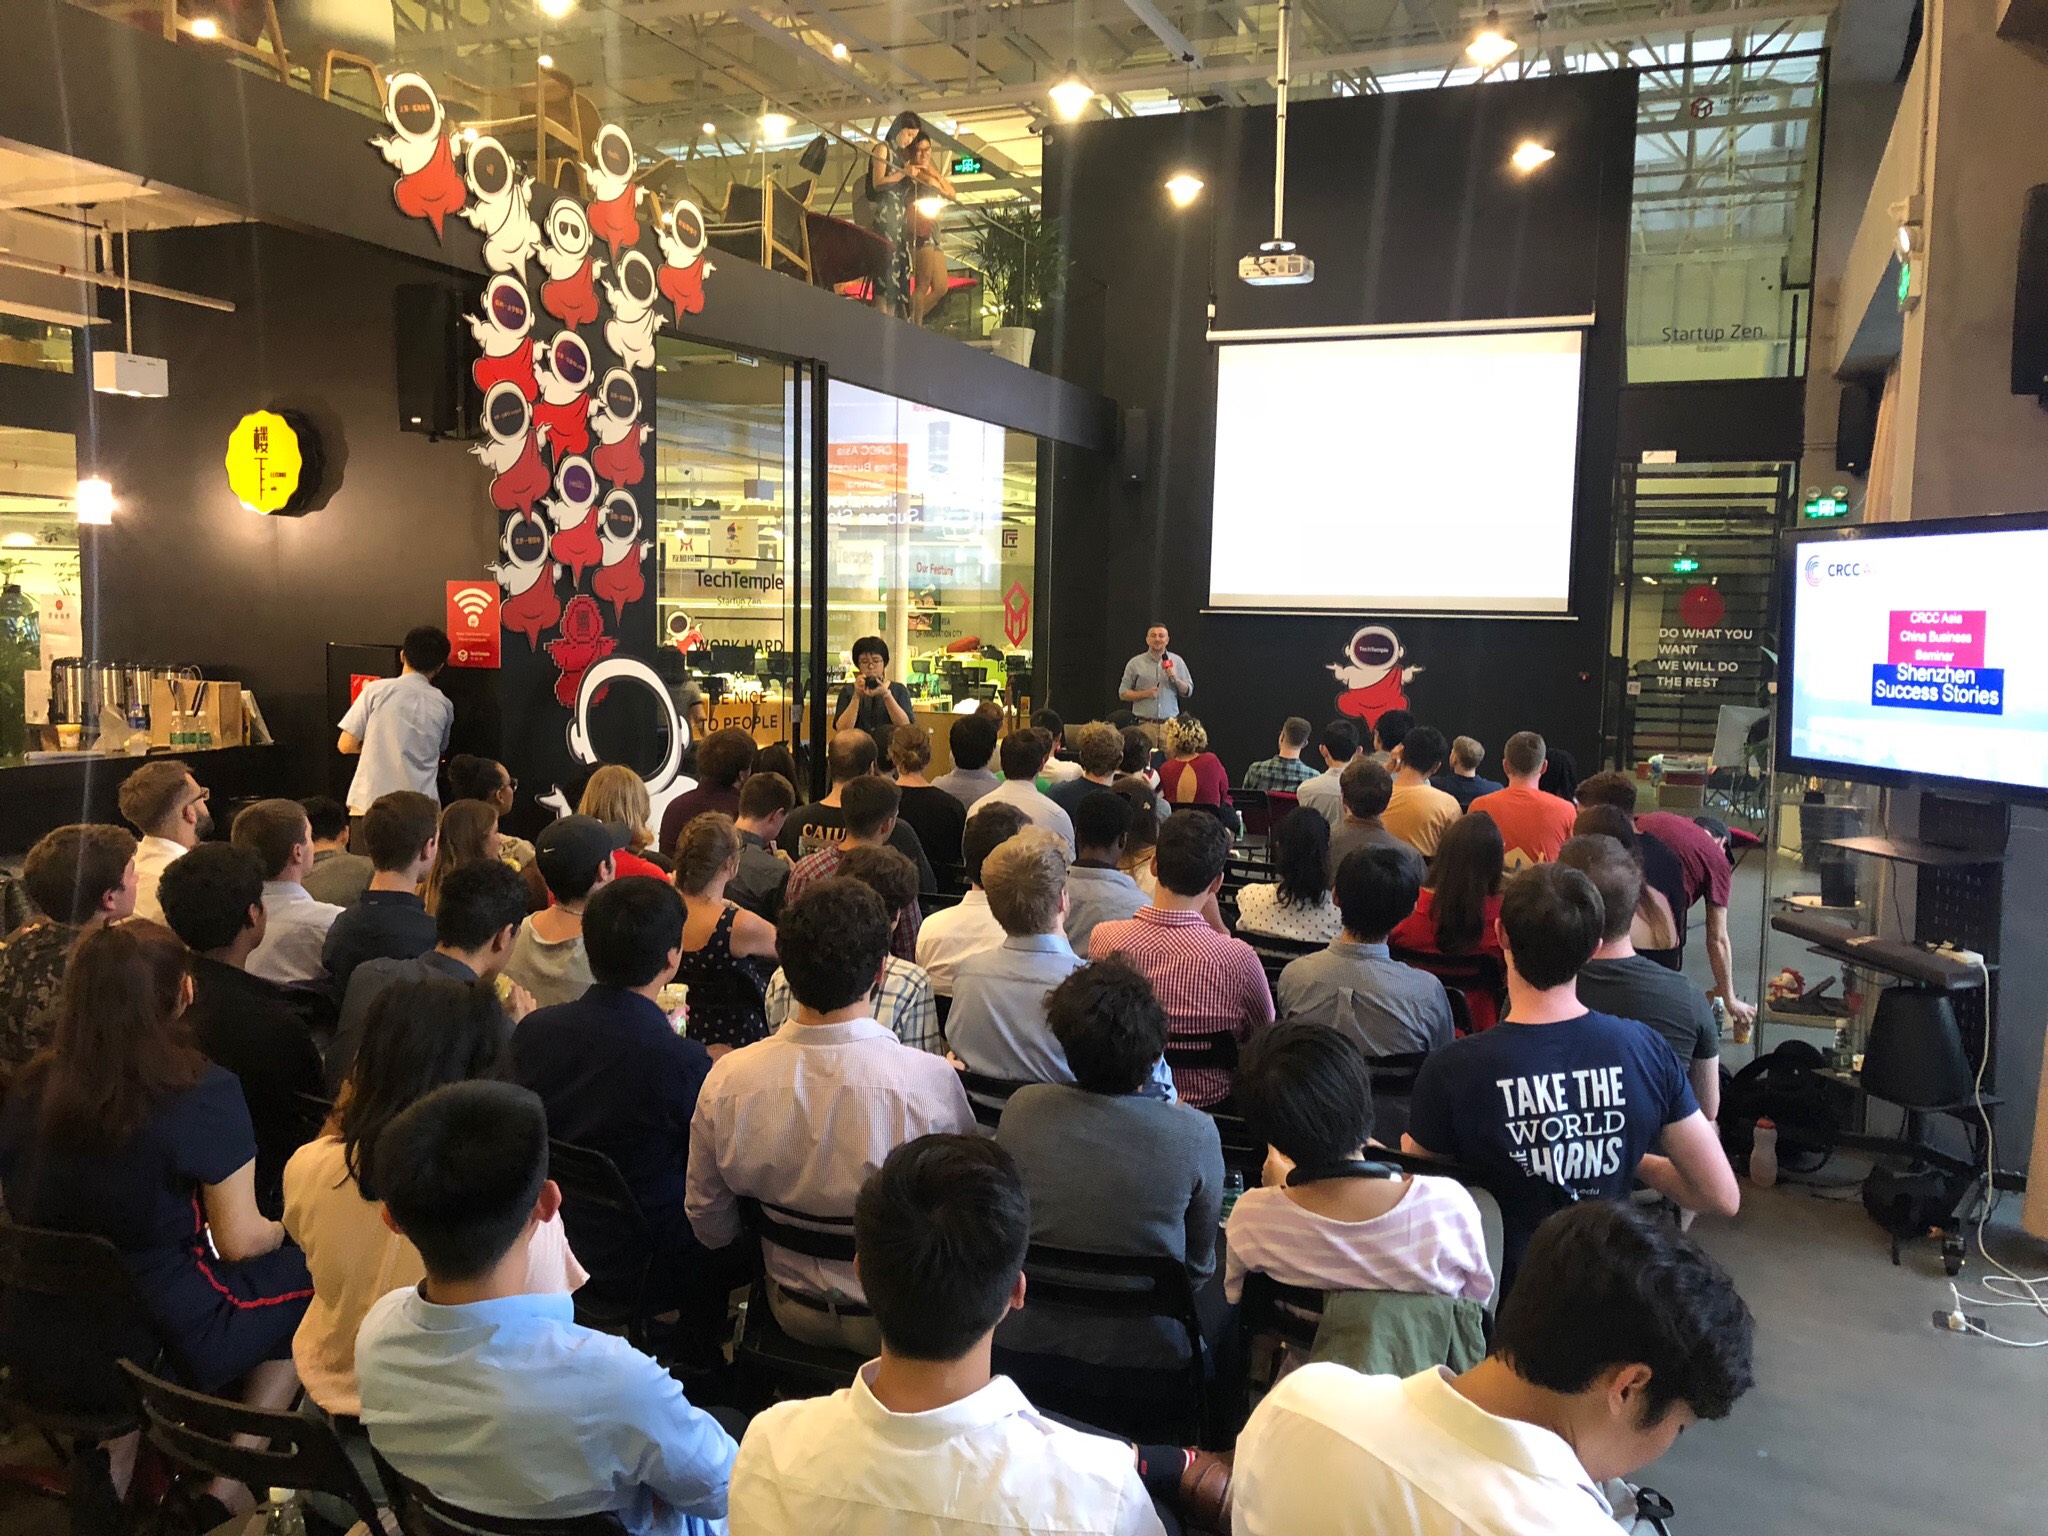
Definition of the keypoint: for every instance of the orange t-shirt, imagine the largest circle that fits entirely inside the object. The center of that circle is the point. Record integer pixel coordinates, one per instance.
(1533, 825)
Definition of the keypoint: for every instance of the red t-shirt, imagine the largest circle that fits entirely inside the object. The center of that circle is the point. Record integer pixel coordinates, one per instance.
(1533, 825)
(1417, 932)
(1707, 871)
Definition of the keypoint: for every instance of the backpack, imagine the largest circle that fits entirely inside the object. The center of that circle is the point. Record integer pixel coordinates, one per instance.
(1784, 1086)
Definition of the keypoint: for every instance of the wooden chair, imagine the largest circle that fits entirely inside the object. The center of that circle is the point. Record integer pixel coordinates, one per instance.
(164, 16)
(332, 59)
(779, 240)
(552, 109)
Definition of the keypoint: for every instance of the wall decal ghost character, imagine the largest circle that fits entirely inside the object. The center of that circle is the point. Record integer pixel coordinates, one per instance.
(570, 293)
(574, 514)
(512, 450)
(619, 580)
(620, 458)
(527, 575)
(418, 147)
(501, 206)
(630, 330)
(614, 195)
(1372, 673)
(682, 237)
(564, 405)
(503, 334)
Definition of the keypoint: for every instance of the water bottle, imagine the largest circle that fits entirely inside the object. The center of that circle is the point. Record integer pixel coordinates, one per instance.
(1763, 1155)
(1842, 1055)
(1233, 1186)
(282, 1516)
(1720, 1011)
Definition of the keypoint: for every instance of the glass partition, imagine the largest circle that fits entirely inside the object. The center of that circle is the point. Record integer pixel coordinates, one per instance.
(38, 566)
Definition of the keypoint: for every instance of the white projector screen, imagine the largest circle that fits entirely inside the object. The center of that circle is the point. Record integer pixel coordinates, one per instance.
(1397, 474)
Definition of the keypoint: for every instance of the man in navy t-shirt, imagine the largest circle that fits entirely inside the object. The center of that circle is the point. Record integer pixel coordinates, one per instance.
(1575, 1098)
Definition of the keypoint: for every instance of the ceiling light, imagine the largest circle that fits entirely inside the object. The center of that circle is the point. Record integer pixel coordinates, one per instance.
(839, 51)
(546, 61)
(469, 135)
(206, 27)
(1183, 187)
(930, 207)
(95, 501)
(1529, 154)
(1490, 44)
(710, 129)
(18, 541)
(554, 10)
(1071, 96)
(776, 125)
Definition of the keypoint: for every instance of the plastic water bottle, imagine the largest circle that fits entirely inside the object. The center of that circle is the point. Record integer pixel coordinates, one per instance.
(1720, 1011)
(283, 1516)
(1763, 1155)
(1233, 1186)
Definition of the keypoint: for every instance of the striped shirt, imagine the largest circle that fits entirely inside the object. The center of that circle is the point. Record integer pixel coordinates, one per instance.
(1208, 983)
(904, 1005)
(1430, 1243)
(823, 865)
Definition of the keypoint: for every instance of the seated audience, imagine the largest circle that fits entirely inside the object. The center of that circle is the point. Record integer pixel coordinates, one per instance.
(1141, 760)
(1023, 756)
(776, 757)
(1657, 927)
(1209, 983)
(1327, 1222)
(1144, 834)
(810, 828)
(1389, 731)
(766, 800)
(295, 925)
(468, 835)
(576, 856)
(725, 759)
(953, 933)
(869, 806)
(1060, 766)
(1418, 812)
(1619, 1334)
(1533, 825)
(482, 909)
(1193, 775)
(972, 741)
(997, 1026)
(1368, 789)
(905, 1003)
(1098, 754)
(728, 953)
(167, 808)
(1098, 890)
(1110, 1169)
(617, 1078)
(1560, 775)
(120, 1128)
(1337, 746)
(213, 900)
(617, 796)
(1284, 771)
(1460, 778)
(338, 876)
(801, 1119)
(1297, 905)
(1561, 1093)
(389, 921)
(1356, 986)
(1619, 981)
(420, 1035)
(484, 1389)
(80, 878)
(928, 1438)
(936, 817)
(483, 778)
(1458, 910)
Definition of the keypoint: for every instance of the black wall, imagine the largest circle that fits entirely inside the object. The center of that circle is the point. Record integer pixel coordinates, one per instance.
(1410, 210)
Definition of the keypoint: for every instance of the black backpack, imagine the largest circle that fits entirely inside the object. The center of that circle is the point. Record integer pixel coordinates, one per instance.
(1785, 1087)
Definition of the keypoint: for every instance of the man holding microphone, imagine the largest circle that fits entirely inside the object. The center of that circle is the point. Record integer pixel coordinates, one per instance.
(1155, 681)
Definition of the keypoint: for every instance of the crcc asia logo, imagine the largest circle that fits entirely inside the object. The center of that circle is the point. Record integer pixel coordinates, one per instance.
(1820, 568)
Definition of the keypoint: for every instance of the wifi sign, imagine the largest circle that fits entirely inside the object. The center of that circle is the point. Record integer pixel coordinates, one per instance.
(473, 628)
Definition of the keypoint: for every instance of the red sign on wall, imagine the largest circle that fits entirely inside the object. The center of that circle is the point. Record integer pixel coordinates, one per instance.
(473, 632)
(1016, 614)
(358, 681)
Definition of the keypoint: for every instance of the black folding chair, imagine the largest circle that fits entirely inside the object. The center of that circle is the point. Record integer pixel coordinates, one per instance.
(766, 1357)
(297, 1451)
(1242, 1151)
(1217, 1050)
(608, 1229)
(1288, 1315)
(987, 1095)
(422, 1512)
(952, 880)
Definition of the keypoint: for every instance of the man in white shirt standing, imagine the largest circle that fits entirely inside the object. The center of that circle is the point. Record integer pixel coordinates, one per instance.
(799, 1120)
(398, 727)
(295, 925)
(1023, 755)
(1155, 681)
(951, 934)
(1617, 1335)
(164, 803)
(928, 1438)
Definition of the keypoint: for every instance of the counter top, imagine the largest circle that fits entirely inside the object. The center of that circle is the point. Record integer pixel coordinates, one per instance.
(34, 797)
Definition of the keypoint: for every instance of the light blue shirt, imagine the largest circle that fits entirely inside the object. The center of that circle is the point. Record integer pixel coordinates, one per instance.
(509, 1408)
(403, 724)
(1141, 671)
(997, 1026)
(1098, 896)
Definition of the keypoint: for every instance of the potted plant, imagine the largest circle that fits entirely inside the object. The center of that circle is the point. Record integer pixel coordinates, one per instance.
(1023, 268)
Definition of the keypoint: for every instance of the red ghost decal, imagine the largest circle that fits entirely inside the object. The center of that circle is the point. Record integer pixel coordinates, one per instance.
(568, 425)
(582, 646)
(433, 191)
(620, 463)
(533, 611)
(613, 219)
(525, 482)
(515, 367)
(683, 287)
(572, 300)
(1368, 704)
(578, 547)
(620, 583)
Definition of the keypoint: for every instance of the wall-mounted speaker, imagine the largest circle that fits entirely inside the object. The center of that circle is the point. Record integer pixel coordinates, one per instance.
(1133, 446)
(436, 395)
(2030, 300)
(1856, 424)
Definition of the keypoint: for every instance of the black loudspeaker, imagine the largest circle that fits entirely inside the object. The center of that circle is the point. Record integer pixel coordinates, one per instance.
(1856, 425)
(436, 394)
(1914, 1056)
(1132, 447)
(2030, 300)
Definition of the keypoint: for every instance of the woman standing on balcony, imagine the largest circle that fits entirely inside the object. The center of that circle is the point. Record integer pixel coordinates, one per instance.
(891, 186)
(928, 260)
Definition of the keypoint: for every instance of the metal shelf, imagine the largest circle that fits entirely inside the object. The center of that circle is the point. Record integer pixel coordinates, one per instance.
(1906, 850)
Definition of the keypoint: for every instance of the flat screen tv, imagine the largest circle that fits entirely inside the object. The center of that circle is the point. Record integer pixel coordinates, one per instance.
(1916, 655)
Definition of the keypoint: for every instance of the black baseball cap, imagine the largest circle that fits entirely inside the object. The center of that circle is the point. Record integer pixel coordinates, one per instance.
(571, 849)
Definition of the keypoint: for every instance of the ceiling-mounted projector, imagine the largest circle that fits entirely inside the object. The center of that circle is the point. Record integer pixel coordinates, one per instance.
(1276, 264)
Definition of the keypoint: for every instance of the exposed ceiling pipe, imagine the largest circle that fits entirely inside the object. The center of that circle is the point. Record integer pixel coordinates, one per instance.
(1176, 41)
(106, 280)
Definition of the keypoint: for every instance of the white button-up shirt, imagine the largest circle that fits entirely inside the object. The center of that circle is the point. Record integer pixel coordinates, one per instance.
(403, 724)
(1040, 810)
(153, 855)
(800, 1120)
(951, 934)
(1332, 1453)
(987, 1464)
(294, 932)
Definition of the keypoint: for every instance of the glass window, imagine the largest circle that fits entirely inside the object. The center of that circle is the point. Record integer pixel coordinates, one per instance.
(932, 521)
(35, 344)
(38, 563)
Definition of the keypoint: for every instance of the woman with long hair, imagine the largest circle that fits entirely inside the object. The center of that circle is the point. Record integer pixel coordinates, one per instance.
(1297, 905)
(728, 952)
(121, 1128)
(1144, 833)
(618, 796)
(1459, 908)
(487, 779)
(469, 835)
(419, 1036)
(891, 185)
